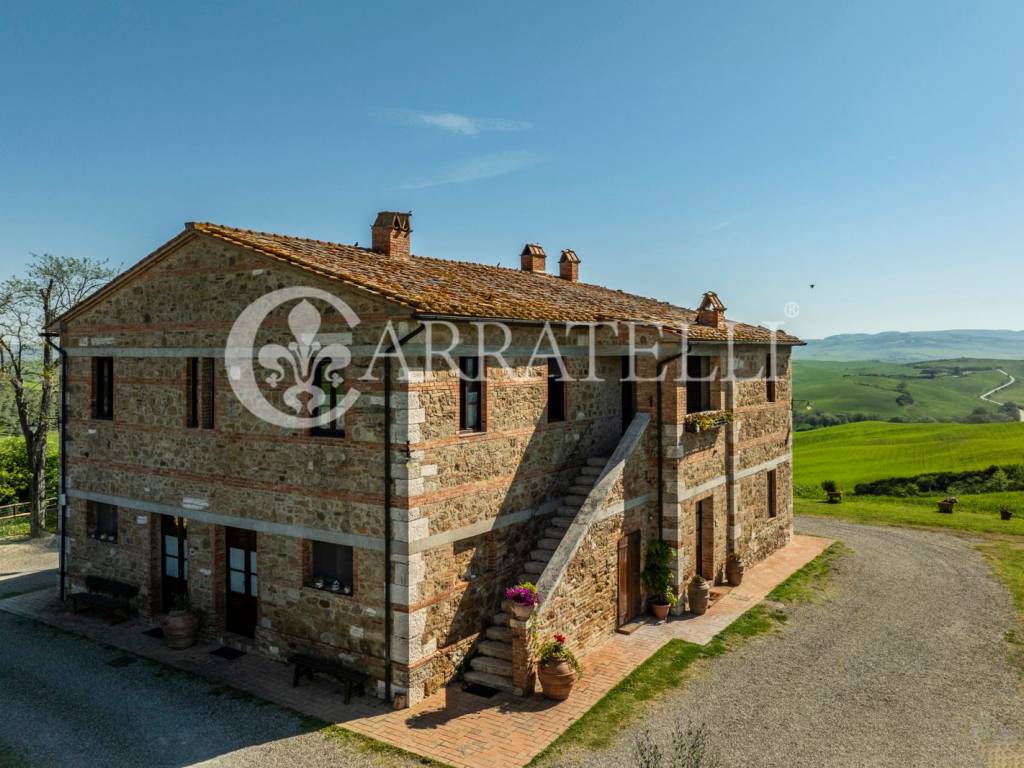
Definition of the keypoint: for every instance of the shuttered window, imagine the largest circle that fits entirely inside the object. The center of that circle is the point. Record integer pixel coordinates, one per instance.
(470, 395)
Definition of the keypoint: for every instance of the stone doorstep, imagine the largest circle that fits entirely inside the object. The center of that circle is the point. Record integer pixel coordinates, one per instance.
(450, 717)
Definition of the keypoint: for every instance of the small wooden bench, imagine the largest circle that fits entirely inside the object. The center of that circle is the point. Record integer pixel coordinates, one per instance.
(308, 665)
(113, 597)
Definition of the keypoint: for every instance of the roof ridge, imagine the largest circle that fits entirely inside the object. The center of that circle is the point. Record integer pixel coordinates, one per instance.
(202, 224)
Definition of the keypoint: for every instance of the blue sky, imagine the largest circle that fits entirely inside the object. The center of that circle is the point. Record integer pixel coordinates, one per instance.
(874, 149)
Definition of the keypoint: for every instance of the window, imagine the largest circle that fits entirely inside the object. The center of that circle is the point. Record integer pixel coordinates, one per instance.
(698, 384)
(773, 509)
(201, 387)
(103, 387)
(209, 393)
(470, 395)
(556, 392)
(331, 390)
(192, 388)
(101, 521)
(332, 563)
(769, 377)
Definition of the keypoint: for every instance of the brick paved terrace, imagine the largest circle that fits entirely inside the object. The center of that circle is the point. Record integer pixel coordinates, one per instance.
(452, 726)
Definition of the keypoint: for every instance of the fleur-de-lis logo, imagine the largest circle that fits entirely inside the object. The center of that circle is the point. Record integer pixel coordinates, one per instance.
(307, 357)
(302, 365)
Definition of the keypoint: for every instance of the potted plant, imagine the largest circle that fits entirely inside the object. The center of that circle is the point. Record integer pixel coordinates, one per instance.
(832, 491)
(705, 421)
(947, 504)
(557, 668)
(657, 578)
(524, 599)
(698, 593)
(181, 624)
(734, 569)
(1005, 513)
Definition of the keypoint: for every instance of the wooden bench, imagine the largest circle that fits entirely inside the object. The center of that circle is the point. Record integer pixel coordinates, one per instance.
(350, 678)
(108, 595)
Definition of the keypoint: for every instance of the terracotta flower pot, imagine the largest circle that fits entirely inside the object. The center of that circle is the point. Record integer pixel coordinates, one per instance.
(180, 629)
(734, 570)
(1005, 514)
(556, 679)
(698, 595)
(660, 610)
(522, 612)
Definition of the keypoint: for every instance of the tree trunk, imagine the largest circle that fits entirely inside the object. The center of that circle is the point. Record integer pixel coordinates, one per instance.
(37, 501)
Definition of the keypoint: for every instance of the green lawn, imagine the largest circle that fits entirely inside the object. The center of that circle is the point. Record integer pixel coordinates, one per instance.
(871, 450)
(938, 390)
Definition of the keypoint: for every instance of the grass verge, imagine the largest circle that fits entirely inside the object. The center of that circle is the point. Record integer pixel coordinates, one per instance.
(670, 666)
(1007, 561)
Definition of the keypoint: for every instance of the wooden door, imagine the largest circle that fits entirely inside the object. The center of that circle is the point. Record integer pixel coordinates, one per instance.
(242, 582)
(174, 560)
(698, 544)
(630, 600)
(628, 393)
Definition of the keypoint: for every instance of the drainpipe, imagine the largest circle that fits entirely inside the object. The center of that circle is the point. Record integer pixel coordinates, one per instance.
(659, 368)
(63, 500)
(388, 621)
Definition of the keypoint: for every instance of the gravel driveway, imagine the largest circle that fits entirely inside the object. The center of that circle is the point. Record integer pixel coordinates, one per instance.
(28, 564)
(905, 665)
(62, 704)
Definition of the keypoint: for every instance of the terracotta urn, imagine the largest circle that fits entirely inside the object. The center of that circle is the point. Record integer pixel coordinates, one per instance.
(660, 610)
(522, 612)
(698, 594)
(180, 629)
(734, 570)
(556, 679)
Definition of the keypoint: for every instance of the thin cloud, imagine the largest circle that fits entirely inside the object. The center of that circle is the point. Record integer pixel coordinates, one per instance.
(465, 125)
(476, 168)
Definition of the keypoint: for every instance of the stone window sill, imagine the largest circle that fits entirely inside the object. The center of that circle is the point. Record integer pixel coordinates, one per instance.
(95, 537)
(328, 592)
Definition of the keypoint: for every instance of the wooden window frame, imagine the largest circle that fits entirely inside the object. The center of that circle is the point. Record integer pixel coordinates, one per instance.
(558, 393)
(773, 493)
(103, 388)
(335, 429)
(466, 388)
(97, 512)
(698, 383)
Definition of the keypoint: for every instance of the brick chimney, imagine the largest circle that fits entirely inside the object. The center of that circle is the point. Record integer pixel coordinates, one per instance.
(391, 233)
(533, 258)
(711, 311)
(569, 266)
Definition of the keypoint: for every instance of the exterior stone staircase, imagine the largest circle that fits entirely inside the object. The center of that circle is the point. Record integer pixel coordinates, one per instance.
(491, 665)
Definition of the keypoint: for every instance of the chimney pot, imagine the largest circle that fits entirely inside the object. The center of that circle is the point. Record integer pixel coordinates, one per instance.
(711, 311)
(391, 233)
(569, 266)
(533, 258)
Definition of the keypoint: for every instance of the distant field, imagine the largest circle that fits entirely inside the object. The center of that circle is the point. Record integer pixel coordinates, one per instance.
(944, 390)
(854, 453)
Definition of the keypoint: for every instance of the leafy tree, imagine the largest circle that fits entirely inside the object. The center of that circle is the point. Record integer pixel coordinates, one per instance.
(29, 304)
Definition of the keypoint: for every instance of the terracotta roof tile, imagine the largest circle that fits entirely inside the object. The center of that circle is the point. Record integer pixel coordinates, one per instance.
(466, 289)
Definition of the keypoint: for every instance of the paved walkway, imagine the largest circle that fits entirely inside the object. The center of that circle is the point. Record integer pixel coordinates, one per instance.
(27, 565)
(452, 726)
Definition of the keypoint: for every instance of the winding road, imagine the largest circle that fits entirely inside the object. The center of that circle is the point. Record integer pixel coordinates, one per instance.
(988, 395)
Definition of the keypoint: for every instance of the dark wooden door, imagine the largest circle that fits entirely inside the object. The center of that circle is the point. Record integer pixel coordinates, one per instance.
(629, 578)
(242, 582)
(628, 389)
(174, 560)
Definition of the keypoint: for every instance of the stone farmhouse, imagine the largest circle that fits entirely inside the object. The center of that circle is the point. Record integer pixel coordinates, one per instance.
(387, 536)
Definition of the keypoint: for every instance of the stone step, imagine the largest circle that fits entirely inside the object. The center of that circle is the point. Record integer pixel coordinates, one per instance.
(501, 619)
(575, 498)
(535, 567)
(491, 665)
(541, 555)
(555, 532)
(495, 649)
(551, 543)
(567, 511)
(581, 490)
(491, 681)
(501, 634)
(597, 461)
(527, 576)
(591, 471)
(563, 521)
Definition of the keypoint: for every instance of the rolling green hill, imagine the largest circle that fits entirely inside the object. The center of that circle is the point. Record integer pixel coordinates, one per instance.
(855, 453)
(894, 346)
(944, 390)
